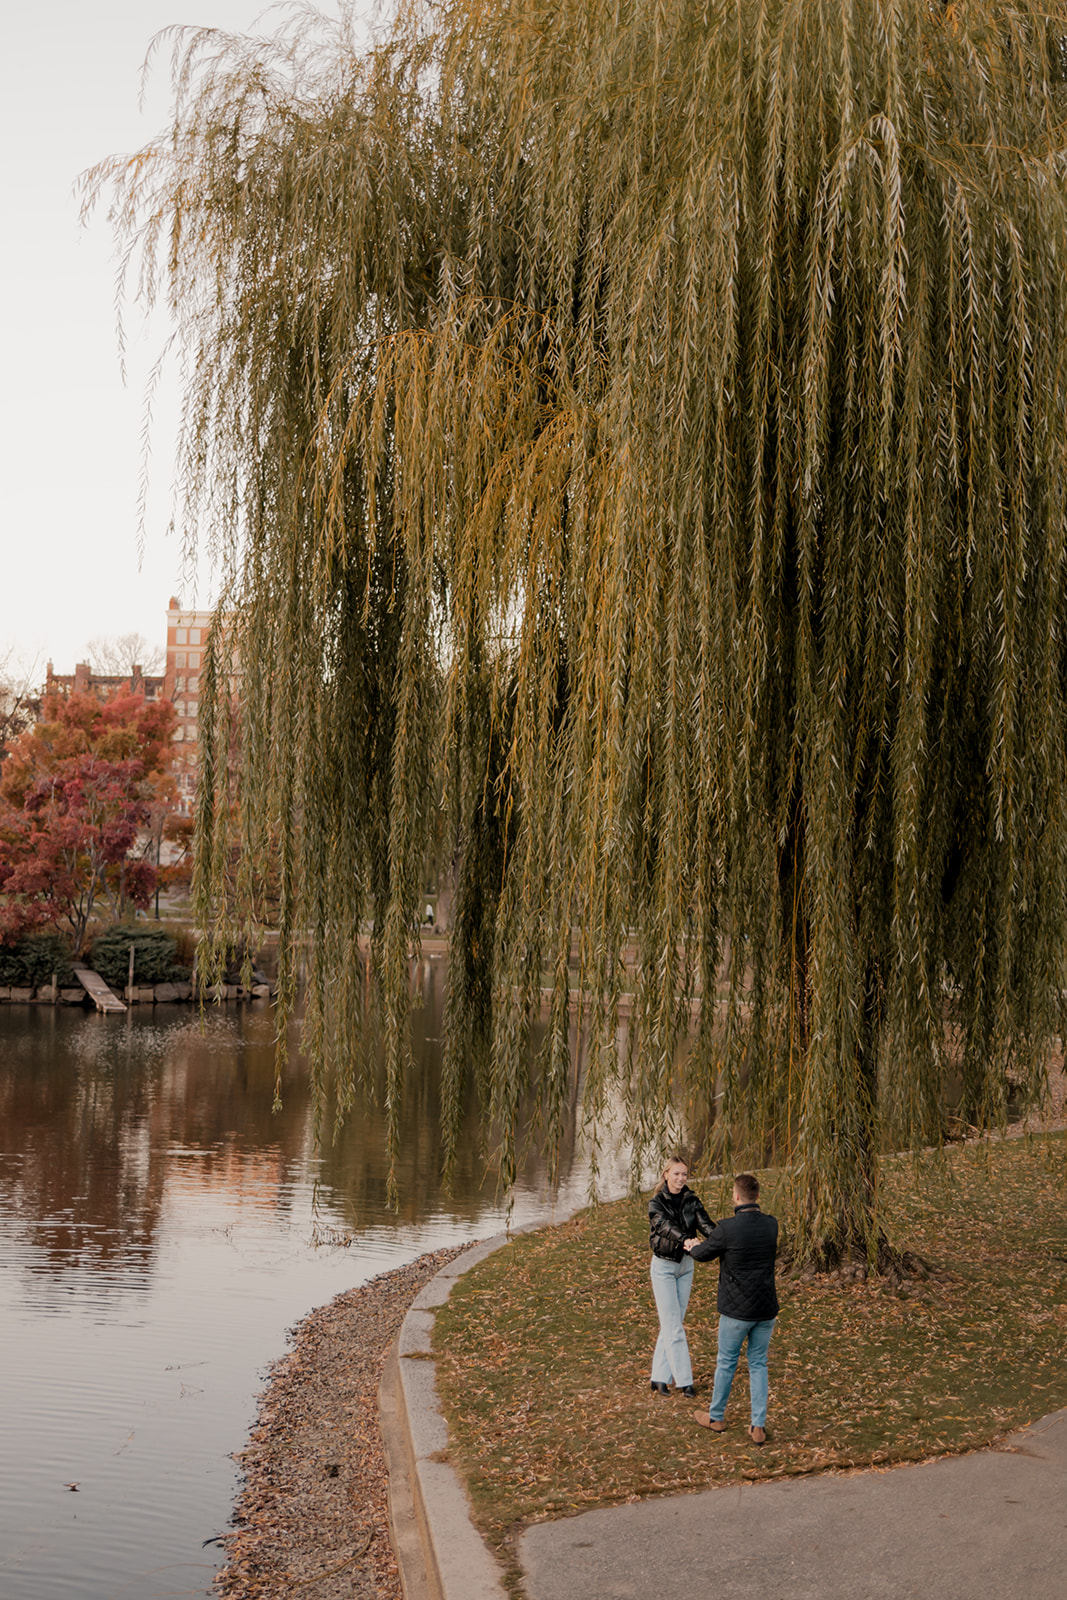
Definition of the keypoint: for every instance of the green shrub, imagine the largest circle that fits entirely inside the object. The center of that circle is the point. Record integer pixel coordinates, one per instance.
(155, 955)
(30, 962)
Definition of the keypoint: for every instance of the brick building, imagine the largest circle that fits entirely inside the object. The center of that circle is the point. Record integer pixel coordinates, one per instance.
(186, 640)
(83, 680)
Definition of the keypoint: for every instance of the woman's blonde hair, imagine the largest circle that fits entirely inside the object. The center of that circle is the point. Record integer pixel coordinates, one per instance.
(671, 1161)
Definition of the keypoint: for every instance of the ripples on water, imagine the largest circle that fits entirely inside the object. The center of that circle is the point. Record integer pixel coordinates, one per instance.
(160, 1230)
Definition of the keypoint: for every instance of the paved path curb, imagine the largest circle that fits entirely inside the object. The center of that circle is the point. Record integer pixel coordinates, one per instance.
(440, 1553)
(408, 1535)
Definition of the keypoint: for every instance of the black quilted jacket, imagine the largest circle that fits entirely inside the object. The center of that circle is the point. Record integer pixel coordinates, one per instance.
(746, 1245)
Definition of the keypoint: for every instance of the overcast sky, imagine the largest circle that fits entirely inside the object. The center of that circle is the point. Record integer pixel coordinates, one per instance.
(70, 455)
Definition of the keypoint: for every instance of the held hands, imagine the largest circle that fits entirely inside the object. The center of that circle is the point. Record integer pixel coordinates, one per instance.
(689, 1243)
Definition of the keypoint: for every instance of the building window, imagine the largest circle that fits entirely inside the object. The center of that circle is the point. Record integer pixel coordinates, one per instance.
(179, 659)
(179, 734)
(179, 637)
(194, 684)
(194, 658)
(194, 635)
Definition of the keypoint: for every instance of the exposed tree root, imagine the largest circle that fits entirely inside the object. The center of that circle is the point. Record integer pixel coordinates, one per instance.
(830, 1262)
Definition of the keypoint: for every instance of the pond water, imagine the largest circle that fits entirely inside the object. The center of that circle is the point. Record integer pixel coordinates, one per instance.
(160, 1231)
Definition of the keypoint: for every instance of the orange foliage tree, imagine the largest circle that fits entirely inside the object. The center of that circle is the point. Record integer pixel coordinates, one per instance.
(78, 798)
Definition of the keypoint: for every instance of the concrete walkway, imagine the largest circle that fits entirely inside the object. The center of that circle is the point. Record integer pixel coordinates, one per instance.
(988, 1526)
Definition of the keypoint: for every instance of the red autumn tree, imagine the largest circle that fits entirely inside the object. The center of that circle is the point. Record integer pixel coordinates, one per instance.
(79, 791)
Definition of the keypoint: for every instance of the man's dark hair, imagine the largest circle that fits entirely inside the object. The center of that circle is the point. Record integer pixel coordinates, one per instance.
(747, 1188)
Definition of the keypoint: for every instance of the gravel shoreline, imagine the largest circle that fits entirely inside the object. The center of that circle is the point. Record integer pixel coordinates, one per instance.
(312, 1515)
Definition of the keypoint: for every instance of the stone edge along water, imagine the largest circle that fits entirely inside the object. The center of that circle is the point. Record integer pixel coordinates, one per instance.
(440, 1553)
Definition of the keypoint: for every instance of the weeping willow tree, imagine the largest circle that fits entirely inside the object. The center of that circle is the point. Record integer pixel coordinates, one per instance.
(639, 429)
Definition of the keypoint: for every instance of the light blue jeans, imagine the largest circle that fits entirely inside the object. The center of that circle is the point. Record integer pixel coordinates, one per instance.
(732, 1335)
(671, 1283)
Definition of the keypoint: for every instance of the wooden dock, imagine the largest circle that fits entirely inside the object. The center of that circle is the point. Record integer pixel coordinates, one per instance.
(102, 997)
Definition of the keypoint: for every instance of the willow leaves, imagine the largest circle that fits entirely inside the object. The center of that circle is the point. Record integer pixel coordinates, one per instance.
(639, 431)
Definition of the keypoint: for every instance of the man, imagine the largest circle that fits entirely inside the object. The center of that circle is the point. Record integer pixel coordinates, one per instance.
(746, 1245)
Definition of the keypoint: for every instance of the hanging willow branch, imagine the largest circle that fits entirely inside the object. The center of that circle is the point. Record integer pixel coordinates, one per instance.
(644, 431)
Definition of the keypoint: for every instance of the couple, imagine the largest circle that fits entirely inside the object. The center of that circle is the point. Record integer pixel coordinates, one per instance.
(746, 1245)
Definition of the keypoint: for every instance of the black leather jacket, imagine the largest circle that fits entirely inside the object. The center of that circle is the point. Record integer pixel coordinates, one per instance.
(674, 1218)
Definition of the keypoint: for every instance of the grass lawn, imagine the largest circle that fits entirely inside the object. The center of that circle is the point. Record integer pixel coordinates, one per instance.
(544, 1348)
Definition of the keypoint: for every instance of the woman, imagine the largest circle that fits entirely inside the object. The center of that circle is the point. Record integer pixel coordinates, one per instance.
(676, 1219)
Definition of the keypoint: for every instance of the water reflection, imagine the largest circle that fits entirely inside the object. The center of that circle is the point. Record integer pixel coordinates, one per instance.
(158, 1228)
(94, 1111)
(354, 1161)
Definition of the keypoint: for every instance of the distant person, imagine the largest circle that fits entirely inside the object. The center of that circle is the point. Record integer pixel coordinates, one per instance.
(746, 1245)
(676, 1219)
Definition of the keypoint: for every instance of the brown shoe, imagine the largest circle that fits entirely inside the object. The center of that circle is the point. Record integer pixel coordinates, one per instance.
(758, 1435)
(706, 1422)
